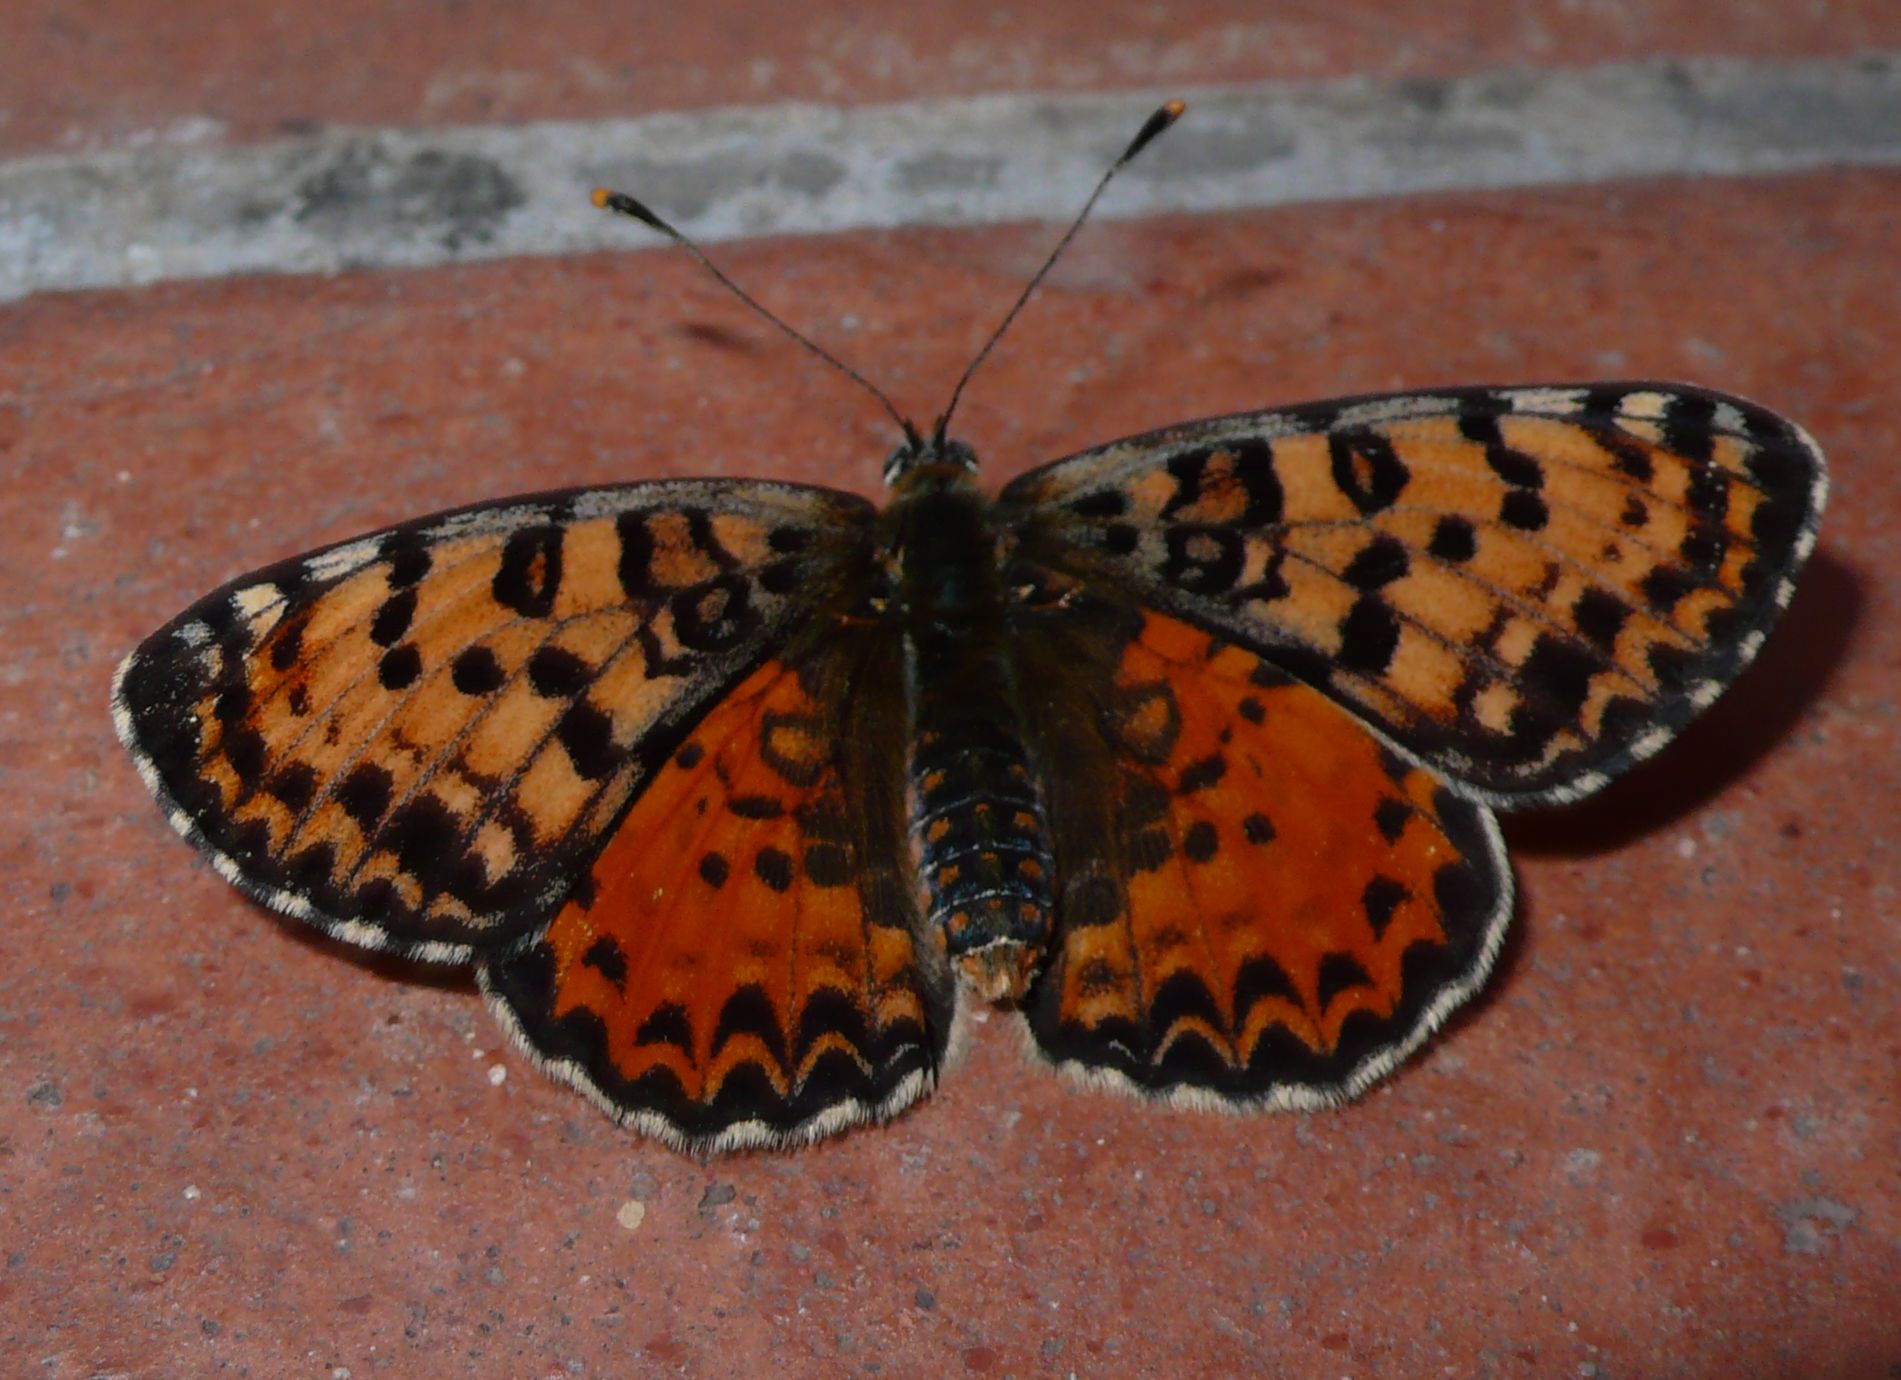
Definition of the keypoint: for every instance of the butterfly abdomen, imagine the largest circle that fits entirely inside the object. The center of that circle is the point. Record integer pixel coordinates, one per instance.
(977, 815)
(983, 851)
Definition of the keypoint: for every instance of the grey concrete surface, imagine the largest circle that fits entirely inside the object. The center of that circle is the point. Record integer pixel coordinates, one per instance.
(342, 198)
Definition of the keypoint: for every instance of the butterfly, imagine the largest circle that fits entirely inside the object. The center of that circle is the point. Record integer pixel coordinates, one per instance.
(737, 795)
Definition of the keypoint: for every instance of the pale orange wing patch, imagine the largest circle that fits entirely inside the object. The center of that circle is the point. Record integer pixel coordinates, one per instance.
(1260, 903)
(419, 739)
(744, 965)
(1530, 588)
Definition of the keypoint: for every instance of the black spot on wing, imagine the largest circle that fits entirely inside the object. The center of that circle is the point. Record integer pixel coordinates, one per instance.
(529, 575)
(408, 558)
(1515, 467)
(1203, 559)
(1453, 540)
(556, 673)
(1367, 469)
(1600, 616)
(667, 1024)
(755, 806)
(393, 618)
(1380, 900)
(1200, 843)
(1200, 775)
(1259, 978)
(425, 835)
(714, 615)
(1103, 503)
(749, 1011)
(1524, 510)
(1689, 427)
(1390, 817)
(1665, 586)
(1183, 996)
(605, 957)
(1339, 972)
(287, 642)
(1557, 679)
(774, 868)
(1369, 636)
(475, 671)
(365, 794)
(586, 734)
(1379, 562)
(829, 1012)
(400, 667)
(294, 783)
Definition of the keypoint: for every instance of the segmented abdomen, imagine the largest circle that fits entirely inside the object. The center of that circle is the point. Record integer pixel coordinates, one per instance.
(978, 826)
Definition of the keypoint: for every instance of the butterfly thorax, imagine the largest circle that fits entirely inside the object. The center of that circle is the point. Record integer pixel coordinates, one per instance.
(976, 814)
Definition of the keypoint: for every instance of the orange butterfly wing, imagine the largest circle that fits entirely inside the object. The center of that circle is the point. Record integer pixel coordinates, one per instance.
(639, 753)
(1260, 902)
(748, 963)
(1530, 588)
(418, 739)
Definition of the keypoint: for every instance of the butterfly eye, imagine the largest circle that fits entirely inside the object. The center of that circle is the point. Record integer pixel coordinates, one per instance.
(957, 453)
(899, 461)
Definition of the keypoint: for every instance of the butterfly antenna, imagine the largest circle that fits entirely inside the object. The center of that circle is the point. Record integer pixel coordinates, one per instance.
(1152, 128)
(625, 205)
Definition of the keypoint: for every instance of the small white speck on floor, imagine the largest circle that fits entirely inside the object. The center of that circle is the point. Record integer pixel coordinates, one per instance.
(631, 1214)
(497, 1074)
(1686, 848)
(192, 1193)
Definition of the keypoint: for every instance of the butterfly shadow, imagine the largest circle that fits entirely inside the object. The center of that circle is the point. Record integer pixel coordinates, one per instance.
(1725, 744)
(722, 337)
(443, 977)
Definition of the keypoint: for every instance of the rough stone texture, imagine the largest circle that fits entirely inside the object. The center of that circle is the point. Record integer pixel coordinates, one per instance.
(107, 72)
(1664, 1143)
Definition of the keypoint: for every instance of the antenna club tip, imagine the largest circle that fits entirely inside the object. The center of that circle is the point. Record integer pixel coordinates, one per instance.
(1165, 115)
(621, 204)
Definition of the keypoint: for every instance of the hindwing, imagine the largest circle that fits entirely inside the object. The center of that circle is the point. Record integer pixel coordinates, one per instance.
(1259, 903)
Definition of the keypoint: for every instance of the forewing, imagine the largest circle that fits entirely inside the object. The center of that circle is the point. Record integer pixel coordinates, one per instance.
(1530, 588)
(1260, 904)
(419, 739)
(744, 964)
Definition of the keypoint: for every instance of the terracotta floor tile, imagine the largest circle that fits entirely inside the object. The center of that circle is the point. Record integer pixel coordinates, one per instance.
(1664, 1143)
(121, 72)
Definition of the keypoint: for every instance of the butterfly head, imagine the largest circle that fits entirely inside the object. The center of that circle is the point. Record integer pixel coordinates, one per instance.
(921, 452)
